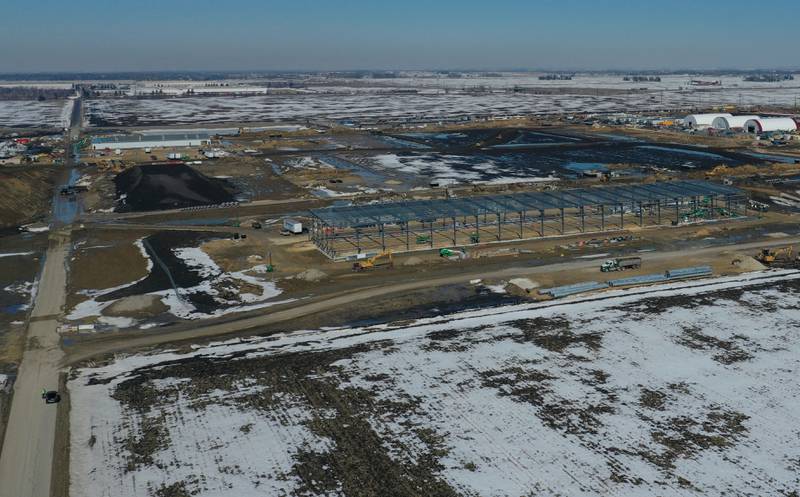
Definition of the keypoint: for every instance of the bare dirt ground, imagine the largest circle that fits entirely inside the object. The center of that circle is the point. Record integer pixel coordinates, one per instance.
(294, 257)
(25, 194)
(95, 251)
(359, 292)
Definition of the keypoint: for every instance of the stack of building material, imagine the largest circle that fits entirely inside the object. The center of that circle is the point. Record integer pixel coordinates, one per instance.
(589, 286)
(639, 280)
(562, 291)
(688, 272)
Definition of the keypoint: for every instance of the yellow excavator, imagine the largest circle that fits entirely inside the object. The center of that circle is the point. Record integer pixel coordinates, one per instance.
(384, 259)
(768, 256)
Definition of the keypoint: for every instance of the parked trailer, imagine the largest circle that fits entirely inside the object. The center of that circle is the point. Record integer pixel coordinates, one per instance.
(292, 226)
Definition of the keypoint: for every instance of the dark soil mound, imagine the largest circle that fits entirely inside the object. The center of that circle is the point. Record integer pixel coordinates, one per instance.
(168, 186)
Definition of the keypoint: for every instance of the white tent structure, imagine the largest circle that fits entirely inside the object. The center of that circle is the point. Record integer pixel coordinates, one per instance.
(702, 120)
(767, 124)
(733, 122)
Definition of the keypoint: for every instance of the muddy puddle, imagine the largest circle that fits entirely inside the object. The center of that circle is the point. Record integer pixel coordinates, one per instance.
(518, 155)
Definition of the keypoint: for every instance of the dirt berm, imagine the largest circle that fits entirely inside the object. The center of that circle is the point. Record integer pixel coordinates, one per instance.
(25, 194)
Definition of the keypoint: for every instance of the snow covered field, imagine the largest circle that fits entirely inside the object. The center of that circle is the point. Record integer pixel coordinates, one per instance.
(439, 98)
(448, 169)
(680, 389)
(34, 114)
(411, 79)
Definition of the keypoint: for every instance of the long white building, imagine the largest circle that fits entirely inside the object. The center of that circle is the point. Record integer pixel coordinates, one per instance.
(767, 124)
(703, 120)
(733, 122)
(115, 142)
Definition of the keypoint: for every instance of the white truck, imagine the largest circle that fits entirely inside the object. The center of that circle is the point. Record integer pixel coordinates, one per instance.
(621, 264)
(292, 227)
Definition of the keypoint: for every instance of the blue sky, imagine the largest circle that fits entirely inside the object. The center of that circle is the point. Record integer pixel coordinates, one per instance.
(90, 35)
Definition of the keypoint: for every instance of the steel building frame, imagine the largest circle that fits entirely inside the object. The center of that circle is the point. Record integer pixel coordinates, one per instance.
(346, 231)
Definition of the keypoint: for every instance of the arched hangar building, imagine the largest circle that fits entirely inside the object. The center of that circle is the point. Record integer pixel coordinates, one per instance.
(767, 124)
(703, 120)
(732, 122)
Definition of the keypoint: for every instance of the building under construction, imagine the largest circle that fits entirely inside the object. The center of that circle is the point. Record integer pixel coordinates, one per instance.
(347, 231)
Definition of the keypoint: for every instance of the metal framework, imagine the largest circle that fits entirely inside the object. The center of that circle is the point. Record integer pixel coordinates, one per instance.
(345, 231)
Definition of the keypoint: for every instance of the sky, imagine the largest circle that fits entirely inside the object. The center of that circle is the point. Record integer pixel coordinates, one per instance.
(150, 35)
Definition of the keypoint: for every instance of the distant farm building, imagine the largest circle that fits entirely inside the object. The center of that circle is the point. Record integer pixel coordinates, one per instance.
(703, 120)
(118, 142)
(732, 122)
(767, 124)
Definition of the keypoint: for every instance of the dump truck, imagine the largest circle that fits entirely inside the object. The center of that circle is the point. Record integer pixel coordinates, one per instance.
(384, 259)
(621, 264)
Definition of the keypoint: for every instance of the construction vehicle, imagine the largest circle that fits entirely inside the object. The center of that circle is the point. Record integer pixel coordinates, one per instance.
(422, 239)
(384, 259)
(768, 256)
(452, 254)
(621, 264)
(270, 266)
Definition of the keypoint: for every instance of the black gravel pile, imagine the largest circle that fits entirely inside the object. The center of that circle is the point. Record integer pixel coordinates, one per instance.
(168, 186)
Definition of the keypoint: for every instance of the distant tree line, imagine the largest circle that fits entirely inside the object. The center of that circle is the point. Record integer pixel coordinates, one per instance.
(769, 78)
(642, 78)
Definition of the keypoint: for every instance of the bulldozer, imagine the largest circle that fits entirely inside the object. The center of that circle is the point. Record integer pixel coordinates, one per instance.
(384, 259)
(768, 256)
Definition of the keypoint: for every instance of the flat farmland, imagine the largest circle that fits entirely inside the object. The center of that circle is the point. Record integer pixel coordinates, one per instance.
(426, 103)
(669, 390)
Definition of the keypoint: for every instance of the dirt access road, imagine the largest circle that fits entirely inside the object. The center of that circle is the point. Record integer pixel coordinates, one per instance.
(27, 454)
(26, 460)
(128, 341)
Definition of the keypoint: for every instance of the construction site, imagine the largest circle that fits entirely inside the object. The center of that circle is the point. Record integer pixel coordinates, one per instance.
(400, 290)
(352, 231)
